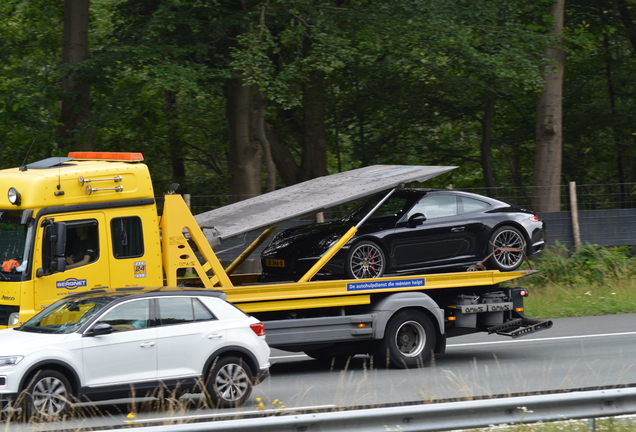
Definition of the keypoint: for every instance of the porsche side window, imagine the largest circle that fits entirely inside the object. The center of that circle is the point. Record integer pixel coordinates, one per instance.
(468, 205)
(436, 206)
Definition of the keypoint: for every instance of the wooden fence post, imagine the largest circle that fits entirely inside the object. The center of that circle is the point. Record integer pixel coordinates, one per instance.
(574, 210)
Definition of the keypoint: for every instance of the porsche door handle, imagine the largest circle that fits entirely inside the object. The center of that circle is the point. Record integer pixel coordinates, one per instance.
(458, 229)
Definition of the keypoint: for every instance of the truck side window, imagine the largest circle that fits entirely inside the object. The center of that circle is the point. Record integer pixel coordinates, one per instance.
(127, 237)
(82, 244)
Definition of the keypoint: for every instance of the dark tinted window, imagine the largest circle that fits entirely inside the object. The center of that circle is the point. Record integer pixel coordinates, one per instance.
(128, 316)
(128, 241)
(179, 310)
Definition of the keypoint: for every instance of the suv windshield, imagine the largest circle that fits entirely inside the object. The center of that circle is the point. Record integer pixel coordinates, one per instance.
(13, 243)
(66, 316)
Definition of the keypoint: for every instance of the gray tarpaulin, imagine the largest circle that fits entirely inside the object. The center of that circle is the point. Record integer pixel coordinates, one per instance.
(312, 196)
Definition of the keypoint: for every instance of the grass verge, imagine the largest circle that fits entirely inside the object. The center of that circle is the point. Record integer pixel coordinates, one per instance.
(590, 281)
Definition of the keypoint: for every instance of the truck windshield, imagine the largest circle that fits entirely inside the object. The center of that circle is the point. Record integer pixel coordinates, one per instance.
(13, 244)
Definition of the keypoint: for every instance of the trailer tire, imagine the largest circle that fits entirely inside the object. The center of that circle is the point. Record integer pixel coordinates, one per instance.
(408, 342)
(365, 260)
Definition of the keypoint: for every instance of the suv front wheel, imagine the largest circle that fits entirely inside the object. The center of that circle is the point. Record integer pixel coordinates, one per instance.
(48, 395)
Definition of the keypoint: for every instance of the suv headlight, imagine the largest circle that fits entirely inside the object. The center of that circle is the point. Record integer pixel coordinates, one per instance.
(10, 360)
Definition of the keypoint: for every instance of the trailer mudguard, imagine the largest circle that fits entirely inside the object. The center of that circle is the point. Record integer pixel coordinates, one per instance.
(388, 306)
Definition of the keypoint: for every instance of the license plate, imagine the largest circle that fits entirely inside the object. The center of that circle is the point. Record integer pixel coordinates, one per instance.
(275, 263)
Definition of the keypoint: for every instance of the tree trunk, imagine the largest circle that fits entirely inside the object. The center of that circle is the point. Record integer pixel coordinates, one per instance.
(75, 104)
(244, 153)
(314, 158)
(286, 165)
(549, 145)
(270, 166)
(486, 140)
(175, 147)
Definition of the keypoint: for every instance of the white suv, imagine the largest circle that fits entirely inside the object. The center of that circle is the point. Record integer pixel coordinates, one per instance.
(116, 343)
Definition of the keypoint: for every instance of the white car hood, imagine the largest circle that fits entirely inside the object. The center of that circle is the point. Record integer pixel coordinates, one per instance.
(14, 342)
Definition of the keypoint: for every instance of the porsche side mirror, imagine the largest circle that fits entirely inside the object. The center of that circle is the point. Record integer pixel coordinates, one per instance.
(416, 219)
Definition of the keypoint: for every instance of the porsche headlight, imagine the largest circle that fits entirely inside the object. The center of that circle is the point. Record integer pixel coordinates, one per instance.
(10, 360)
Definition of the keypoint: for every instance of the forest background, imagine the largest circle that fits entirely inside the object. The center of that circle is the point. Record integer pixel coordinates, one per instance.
(238, 97)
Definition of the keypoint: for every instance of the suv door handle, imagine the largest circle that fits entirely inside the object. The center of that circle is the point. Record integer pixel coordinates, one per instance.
(147, 344)
(458, 229)
(215, 336)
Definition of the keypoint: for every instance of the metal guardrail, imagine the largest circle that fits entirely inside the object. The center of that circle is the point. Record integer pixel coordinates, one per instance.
(431, 417)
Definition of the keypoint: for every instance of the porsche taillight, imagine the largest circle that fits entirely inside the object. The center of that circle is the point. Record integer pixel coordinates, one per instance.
(535, 218)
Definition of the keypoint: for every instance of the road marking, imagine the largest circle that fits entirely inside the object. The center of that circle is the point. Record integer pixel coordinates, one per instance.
(304, 356)
(542, 339)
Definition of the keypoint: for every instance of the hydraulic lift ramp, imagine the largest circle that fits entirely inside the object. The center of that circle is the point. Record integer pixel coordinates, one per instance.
(313, 196)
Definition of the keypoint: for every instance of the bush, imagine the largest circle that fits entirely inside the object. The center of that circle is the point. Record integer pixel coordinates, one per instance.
(589, 264)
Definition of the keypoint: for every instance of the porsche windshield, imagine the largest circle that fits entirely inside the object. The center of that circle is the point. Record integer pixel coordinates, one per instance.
(393, 206)
(13, 243)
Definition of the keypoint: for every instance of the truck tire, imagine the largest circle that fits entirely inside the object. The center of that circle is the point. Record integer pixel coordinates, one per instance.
(48, 396)
(408, 342)
(230, 382)
(505, 260)
(365, 260)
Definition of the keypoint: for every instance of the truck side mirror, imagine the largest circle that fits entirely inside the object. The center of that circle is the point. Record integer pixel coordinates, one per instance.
(54, 247)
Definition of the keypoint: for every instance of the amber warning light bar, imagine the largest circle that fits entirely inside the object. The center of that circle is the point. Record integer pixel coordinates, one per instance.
(108, 156)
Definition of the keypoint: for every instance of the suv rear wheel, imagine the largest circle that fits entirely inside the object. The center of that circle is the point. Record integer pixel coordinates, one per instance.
(230, 382)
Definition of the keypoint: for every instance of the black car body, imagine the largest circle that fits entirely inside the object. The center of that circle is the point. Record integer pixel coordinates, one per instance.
(414, 230)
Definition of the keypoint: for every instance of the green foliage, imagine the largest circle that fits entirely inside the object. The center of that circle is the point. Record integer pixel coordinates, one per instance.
(589, 264)
(592, 280)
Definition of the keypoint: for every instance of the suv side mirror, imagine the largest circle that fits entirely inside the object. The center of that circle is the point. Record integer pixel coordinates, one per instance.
(99, 329)
(416, 219)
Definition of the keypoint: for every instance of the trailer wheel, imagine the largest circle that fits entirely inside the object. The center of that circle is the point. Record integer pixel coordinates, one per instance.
(505, 260)
(48, 396)
(408, 341)
(230, 382)
(365, 260)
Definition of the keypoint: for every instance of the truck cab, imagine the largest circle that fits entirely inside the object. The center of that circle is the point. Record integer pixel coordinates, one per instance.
(106, 196)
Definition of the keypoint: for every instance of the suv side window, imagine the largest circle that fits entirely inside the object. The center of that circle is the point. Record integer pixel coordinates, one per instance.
(127, 237)
(128, 316)
(180, 310)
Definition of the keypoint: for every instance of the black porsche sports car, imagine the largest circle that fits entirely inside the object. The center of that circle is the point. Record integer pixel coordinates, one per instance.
(413, 230)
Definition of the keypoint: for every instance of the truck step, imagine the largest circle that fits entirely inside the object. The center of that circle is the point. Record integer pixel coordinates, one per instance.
(520, 327)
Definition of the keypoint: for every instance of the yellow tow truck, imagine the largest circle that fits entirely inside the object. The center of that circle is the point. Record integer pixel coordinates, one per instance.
(90, 220)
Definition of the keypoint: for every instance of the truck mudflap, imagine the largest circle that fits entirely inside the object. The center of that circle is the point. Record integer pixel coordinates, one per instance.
(520, 327)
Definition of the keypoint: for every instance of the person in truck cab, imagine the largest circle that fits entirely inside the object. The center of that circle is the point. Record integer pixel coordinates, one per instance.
(83, 248)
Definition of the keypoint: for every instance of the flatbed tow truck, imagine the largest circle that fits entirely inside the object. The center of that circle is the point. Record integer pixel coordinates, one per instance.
(400, 320)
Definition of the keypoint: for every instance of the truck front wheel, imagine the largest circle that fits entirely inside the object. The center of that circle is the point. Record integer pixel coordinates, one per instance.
(408, 341)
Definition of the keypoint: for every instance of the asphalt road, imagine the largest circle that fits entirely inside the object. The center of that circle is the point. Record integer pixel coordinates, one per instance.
(576, 353)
